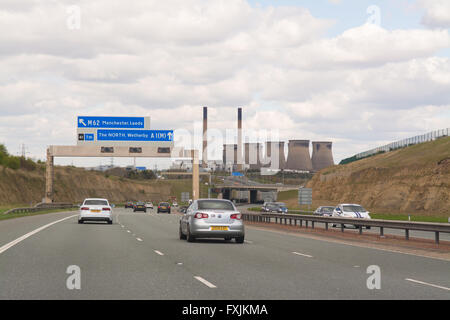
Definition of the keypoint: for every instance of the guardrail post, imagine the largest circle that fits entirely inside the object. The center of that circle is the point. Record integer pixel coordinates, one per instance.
(290, 221)
(276, 220)
(295, 222)
(436, 237)
(306, 222)
(301, 223)
(342, 227)
(360, 229)
(381, 231)
(312, 224)
(326, 225)
(407, 234)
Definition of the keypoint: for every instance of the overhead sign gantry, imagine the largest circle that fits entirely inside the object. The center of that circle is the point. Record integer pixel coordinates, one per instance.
(119, 137)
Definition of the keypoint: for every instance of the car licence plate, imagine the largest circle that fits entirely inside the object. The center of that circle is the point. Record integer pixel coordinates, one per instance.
(219, 228)
(95, 210)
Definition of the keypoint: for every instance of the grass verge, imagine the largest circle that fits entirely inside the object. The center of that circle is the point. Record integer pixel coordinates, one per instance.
(20, 215)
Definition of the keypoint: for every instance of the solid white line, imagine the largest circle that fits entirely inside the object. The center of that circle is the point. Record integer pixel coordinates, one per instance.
(205, 282)
(428, 284)
(302, 254)
(138, 239)
(248, 241)
(29, 234)
(159, 252)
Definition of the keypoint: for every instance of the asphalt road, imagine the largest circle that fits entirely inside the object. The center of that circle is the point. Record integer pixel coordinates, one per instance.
(141, 257)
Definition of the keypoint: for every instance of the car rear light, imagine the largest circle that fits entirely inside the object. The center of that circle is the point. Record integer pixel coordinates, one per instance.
(84, 208)
(106, 209)
(236, 216)
(200, 215)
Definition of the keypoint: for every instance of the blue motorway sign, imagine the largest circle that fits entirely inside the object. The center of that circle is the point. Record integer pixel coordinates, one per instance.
(134, 135)
(111, 122)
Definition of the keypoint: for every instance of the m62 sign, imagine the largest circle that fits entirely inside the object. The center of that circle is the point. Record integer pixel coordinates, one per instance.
(305, 196)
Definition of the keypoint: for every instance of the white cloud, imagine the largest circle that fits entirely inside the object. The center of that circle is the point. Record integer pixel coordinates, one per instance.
(437, 13)
(166, 59)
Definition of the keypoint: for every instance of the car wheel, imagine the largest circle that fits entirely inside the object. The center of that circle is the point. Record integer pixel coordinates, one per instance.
(145, 211)
(182, 236)
(80, 221)
(109, 221)
(240, 239)
(189, 236)
(227, 238)
(367, 227)
(168, 212)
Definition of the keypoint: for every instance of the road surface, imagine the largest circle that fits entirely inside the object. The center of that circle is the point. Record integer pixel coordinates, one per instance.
(141, 257)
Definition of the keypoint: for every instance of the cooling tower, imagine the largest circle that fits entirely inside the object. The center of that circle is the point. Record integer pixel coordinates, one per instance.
(322, 156)
(298, 156)
(205, 141)
(239, 145)
(229, 155)
(252, 155)
(279, 161)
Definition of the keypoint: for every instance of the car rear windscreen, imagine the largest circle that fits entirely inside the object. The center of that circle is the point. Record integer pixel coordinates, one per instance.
(212, 205)
(327, 209)
(96, 203)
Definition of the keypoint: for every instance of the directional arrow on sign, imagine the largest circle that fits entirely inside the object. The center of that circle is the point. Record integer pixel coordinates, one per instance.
(170, 135)
(81, 121)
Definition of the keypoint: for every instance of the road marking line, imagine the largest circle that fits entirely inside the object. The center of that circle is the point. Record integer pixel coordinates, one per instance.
(205, 282)
(428, 284)
(138, 239)
(29, 234)
(159, 252)
(302, 254)
(128, 231)
(248, 241)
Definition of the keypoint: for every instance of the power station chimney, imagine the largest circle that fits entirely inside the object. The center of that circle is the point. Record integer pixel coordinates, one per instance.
(205, 138)
(322, 156)
(239, 144)
(298, 156)
(275, 155)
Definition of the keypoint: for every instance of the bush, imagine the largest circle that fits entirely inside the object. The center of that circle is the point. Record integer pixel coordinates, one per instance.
(13, 163)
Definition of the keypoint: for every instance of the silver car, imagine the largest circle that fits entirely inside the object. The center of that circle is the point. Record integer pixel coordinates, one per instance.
(212, 218)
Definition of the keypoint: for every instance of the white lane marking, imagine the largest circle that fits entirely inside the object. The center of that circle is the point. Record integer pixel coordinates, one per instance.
(29, 234)
(159, 252)
(428, 284)
(138, 239)
(248, 241)
(128, 231)
(205, 282)
(302, 254)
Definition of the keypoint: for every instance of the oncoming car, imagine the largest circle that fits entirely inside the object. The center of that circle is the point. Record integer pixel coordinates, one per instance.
(351, 210)
(212, 218)
(275, 207)
(94, 209)
(325, 211)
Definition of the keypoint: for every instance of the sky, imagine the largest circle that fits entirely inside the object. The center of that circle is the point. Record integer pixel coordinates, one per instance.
(358, 73)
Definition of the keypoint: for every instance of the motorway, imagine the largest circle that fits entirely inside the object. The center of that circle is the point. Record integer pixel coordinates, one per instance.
(141, 257)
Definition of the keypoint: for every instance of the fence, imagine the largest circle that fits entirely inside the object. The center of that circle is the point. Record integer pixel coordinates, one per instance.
(359, 223)
(430, 136)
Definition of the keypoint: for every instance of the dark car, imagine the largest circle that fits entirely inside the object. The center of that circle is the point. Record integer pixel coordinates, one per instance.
(140, 206)
(325, 211)
(129, 204)
(274, 207)
(164, 207)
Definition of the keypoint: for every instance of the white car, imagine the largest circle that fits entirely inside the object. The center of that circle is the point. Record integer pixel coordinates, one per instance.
(149, 205)
(174, 204)
(350, 210)
(94, 209)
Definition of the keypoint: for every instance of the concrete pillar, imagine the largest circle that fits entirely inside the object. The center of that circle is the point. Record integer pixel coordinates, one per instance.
(48, 198)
